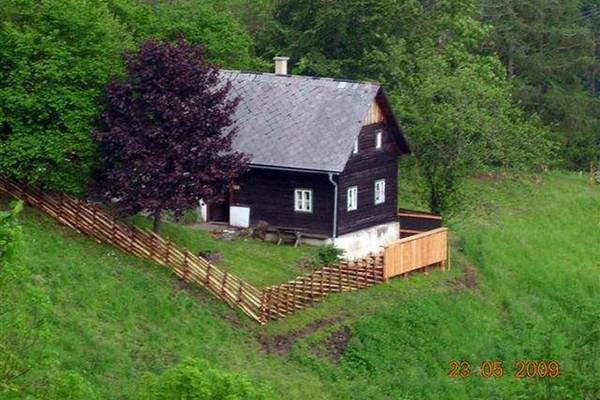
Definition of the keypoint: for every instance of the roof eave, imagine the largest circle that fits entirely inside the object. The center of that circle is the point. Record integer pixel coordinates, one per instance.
(294, 169)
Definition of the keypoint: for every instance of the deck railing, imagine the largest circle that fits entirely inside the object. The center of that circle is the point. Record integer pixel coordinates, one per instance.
(413, 222)
(416, 252)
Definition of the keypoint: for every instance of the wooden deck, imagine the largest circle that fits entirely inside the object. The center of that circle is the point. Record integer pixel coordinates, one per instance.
(423, 242)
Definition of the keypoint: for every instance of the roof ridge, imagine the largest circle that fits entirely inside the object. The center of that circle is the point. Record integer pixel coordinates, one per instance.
(304, 77)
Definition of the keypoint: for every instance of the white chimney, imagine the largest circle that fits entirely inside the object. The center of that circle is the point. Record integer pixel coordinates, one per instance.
(281, 65)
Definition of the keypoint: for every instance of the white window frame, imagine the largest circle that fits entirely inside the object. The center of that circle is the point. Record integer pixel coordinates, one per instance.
(352, 198)
(355, 148)
(303, 200)
(379, 140)
(379, 191)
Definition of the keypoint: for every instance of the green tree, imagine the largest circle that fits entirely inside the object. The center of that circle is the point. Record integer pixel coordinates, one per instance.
(465, 121)
(452, 97)
(550, 50)
(55, 57)
(327, 38)
(201, 22)
(226, 42)
(194, 380)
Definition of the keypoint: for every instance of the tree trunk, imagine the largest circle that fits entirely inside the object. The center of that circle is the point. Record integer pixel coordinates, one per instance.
(596, 65)
(156, 225)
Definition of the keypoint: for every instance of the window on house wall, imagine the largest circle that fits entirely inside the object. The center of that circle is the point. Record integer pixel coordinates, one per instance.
(355, 148)
(352, 198)
(380, 191)
(379, 140)
(303, 200)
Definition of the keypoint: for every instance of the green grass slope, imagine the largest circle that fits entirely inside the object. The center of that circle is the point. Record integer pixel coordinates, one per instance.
(114, 317)
(534, 294)
(525, 284)
(259, 263)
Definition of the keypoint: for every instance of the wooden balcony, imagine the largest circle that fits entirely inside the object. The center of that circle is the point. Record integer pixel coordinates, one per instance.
(423, 242)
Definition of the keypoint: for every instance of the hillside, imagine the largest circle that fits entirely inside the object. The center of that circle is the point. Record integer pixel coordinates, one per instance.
(524, 285)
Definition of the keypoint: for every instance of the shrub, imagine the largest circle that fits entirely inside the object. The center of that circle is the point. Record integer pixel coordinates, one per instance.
(329, 254)
(190, 217)
(196, 380)
(9, 232)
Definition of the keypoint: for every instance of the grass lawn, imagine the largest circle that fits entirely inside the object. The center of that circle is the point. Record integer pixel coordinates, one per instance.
(524, 285)
(258, 263)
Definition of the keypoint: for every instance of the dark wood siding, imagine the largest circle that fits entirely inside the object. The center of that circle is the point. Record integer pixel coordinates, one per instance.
(270, 195)
(363, 169)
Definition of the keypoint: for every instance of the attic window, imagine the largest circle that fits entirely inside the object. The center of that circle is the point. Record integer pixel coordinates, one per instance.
(355, 148)
(303, 200)
(378, 139)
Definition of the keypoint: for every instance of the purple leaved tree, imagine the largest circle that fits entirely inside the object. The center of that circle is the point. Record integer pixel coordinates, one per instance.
(167, 134)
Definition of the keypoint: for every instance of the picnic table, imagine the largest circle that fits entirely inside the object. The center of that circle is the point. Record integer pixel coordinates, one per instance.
(294, 233)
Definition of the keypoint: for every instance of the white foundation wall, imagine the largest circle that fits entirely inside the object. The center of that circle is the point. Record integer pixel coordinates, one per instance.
(361, 243)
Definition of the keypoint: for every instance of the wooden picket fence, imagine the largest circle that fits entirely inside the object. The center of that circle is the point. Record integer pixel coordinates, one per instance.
(305, 290)
(271, 303)
(92, 220)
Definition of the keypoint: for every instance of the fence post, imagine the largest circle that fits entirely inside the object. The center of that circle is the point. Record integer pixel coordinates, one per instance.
(60, 209)
(265, 310)
(77, 211)
(386, 261)
(448, 261)
(113, 228)
(207, 279)
(131, 235)
(240, 292)
(223, 282)
(186, 266)
(167, 251)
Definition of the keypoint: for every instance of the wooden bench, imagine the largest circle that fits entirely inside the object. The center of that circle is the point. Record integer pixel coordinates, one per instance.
(294, 233)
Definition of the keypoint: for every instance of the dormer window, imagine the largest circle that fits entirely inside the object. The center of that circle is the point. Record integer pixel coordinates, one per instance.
(355, 148)
(378, 139)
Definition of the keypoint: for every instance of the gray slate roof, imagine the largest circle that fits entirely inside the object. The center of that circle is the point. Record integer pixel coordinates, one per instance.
(298, 122)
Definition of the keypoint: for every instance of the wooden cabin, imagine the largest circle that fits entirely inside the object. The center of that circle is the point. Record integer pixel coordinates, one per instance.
(323, 159)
